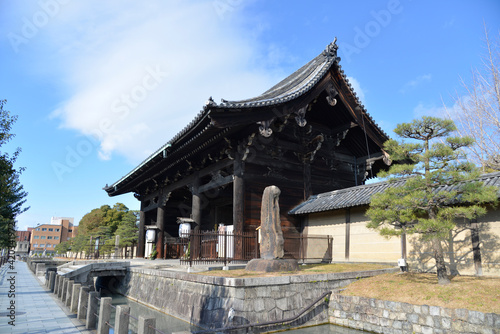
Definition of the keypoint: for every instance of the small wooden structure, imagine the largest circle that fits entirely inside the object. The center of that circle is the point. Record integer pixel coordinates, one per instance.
(307, 134)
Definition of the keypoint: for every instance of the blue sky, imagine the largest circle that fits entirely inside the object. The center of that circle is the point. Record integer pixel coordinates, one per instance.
(100, 85)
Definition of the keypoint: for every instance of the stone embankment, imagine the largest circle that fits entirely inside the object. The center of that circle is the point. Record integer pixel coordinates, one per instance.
(389, 317)
(206, 301)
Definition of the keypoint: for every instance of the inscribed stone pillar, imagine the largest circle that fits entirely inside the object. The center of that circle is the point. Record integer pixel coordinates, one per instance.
(142, 234)
(272, 243)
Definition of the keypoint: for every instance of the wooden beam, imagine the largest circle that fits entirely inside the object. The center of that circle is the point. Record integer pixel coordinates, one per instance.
(216, 183)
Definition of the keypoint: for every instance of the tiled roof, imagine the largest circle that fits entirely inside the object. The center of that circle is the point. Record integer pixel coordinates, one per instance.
(292, 87)
(361, 195)
(295, 85)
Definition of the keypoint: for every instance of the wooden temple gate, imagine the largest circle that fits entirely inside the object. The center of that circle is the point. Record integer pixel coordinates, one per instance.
(308, 134)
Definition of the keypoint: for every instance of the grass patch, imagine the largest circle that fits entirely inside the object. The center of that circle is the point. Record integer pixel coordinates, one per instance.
(473, 293)
(308, 269)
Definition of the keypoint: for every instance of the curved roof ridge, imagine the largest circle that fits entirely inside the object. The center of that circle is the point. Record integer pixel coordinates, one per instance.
(294, 85)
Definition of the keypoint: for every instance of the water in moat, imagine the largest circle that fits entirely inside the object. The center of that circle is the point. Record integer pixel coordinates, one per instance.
(169, 324)
(325, 329)
(164, 322)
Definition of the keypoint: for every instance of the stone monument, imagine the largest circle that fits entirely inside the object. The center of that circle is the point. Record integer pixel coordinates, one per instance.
(271, 245)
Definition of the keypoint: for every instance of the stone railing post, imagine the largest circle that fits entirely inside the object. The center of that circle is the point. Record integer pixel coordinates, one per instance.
(60, 287)
(91, 310)
(56, 283)
(69, 291)
(64, 289)
(122, 319)
(145, 324)
(52, 276)
(83, 302)
(75, 295)
(104, 316)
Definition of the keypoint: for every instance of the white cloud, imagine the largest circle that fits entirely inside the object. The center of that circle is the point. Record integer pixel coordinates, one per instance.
(137, 73)
(357, 88)
(429, 110)
(415, 82)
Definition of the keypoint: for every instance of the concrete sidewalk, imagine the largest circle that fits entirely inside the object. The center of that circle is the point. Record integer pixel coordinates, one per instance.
(34, 309)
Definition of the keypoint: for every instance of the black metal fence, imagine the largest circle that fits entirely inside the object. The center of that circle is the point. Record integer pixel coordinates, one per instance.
(100, 250)
(199, 247)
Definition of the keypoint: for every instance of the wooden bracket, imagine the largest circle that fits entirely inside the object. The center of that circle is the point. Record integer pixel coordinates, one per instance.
(301, 116)
(265, 128)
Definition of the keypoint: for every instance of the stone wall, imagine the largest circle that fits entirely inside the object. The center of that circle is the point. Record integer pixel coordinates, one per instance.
(389, 317)
(205, 301)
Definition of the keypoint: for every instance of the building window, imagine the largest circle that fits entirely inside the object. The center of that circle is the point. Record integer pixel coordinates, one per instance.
(35, 245)
(43, 237)
(56, 238)
(49, 245)
(70, 231)
(42, 245)
(49, 237)
(44, 229)
(57, 230)
(38, 229)
(51, 229)
(36, 237)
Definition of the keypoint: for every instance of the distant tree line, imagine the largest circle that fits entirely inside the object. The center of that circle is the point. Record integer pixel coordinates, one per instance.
(103, 223)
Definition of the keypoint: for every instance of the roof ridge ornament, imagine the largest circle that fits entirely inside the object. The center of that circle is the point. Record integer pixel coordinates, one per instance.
(210, 103)
(331, 49)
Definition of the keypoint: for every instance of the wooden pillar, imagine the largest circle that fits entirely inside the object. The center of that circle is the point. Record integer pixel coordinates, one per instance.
(196, 204)
(403, 245)
(196, 216)
(142, 235)
(347, 233)
(238, 196)
(160, 223)
(476, 249)
(307, 180)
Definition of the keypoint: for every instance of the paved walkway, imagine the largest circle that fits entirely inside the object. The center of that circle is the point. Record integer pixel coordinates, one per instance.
(37, 311)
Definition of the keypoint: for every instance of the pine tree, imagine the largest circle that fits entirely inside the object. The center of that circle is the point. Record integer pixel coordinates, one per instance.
(430, 187)
(12, 194)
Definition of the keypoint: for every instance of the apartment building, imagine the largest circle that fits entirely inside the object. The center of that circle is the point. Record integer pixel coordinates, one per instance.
(22, 243)
(44, 238)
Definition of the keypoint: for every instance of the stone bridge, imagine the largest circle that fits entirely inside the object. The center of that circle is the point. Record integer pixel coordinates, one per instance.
(84, 271)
